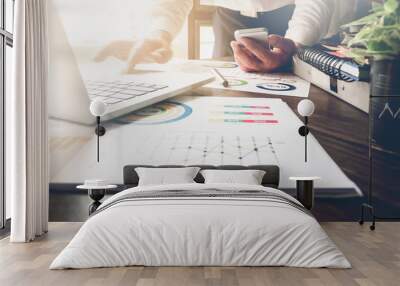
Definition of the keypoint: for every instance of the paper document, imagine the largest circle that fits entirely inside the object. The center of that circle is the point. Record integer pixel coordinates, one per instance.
(200, 130)
(268, 83)
(286, 84)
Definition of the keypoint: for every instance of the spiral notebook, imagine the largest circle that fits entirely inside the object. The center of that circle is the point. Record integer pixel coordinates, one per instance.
(337, 67)
(335, 75)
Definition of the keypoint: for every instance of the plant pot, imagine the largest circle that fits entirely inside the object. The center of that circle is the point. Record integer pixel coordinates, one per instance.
(385, 105)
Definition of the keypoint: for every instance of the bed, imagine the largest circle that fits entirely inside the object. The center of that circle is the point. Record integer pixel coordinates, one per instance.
(201, 224)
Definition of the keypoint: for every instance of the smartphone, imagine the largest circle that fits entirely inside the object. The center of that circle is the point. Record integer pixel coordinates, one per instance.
(259, 34)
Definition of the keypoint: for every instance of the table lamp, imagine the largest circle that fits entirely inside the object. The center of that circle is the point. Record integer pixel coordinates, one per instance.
(305, 108)
(98, 109)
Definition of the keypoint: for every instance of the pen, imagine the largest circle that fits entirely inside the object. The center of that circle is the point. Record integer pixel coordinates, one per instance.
(225, 83)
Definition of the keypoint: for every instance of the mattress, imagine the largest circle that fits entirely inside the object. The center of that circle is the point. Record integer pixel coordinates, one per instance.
(201, 225)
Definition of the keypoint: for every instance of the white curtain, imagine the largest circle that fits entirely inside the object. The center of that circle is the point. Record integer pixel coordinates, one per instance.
(27, 123)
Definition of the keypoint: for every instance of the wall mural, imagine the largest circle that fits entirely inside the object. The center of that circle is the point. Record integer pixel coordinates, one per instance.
(184, 129)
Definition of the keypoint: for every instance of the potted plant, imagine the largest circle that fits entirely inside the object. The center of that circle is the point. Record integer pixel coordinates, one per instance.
(378, 43)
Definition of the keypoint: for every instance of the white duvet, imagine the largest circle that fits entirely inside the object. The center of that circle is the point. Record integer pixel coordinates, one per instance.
(200, 231)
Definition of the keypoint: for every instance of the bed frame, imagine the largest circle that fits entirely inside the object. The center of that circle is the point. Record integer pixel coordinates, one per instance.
(271, 177)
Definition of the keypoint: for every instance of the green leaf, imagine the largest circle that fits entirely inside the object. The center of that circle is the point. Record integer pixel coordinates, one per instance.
(357, 55)
(388, 20)
(380, 34)
(378, 45)
(391, 6)
(376, 6)
(365, 20)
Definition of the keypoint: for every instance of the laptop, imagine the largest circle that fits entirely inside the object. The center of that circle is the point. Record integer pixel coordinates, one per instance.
(75, 80)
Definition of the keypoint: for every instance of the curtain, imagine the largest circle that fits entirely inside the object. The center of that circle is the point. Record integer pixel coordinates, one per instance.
(27, 123)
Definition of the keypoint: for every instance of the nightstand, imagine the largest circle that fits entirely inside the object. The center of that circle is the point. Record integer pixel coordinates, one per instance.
(96, 193)
(305, 190)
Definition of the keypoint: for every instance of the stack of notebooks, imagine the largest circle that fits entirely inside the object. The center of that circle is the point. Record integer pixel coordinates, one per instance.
(336, 74)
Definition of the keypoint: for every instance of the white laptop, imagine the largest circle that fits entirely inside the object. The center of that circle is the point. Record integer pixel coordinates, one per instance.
(75, 80)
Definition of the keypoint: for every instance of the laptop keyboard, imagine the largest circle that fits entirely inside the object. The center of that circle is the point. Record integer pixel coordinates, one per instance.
(116, 91)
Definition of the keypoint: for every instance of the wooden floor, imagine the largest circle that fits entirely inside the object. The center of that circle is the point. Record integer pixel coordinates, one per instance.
(375, 257)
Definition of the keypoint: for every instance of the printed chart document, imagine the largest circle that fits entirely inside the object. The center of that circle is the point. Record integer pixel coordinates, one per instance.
(269, 83)
(284, 84)
(199, 130)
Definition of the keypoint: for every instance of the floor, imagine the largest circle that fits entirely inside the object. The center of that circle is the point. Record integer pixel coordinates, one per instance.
(375, 257)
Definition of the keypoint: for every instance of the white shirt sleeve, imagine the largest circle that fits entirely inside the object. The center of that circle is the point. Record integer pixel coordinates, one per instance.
(310, 21)
(169, 15)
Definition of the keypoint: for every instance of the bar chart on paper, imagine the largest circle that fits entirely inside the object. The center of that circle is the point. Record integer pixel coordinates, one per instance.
(230, 113)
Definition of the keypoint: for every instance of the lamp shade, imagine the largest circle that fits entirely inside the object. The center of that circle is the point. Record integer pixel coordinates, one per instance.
(306, 107)
(98, 108)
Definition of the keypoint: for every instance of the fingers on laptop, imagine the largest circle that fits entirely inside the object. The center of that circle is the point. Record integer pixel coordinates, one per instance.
(154, 49)
(116, 49)
(161, 56)
(134, 53)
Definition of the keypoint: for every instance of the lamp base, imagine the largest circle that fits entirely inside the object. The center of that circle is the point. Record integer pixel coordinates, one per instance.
(100, 130)
(303, 130)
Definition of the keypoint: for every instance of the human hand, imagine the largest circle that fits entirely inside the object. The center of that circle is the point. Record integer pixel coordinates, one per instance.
(154, 48)
(255, 56)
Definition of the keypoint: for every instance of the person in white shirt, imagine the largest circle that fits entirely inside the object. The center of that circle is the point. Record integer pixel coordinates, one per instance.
(306, 22)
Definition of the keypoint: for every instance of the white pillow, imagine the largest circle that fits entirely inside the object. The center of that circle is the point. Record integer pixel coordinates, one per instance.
(248, 177)
(166, 176)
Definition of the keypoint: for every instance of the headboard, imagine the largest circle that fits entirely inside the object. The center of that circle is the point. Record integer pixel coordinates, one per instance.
(271, 177)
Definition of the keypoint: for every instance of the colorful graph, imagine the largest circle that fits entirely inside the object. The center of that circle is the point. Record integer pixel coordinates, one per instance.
(160, 113)
(231, 113)
(276, 86)
(233, 120)
(242, 113)
(285, 84)
(236, 82)
(246, 106)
